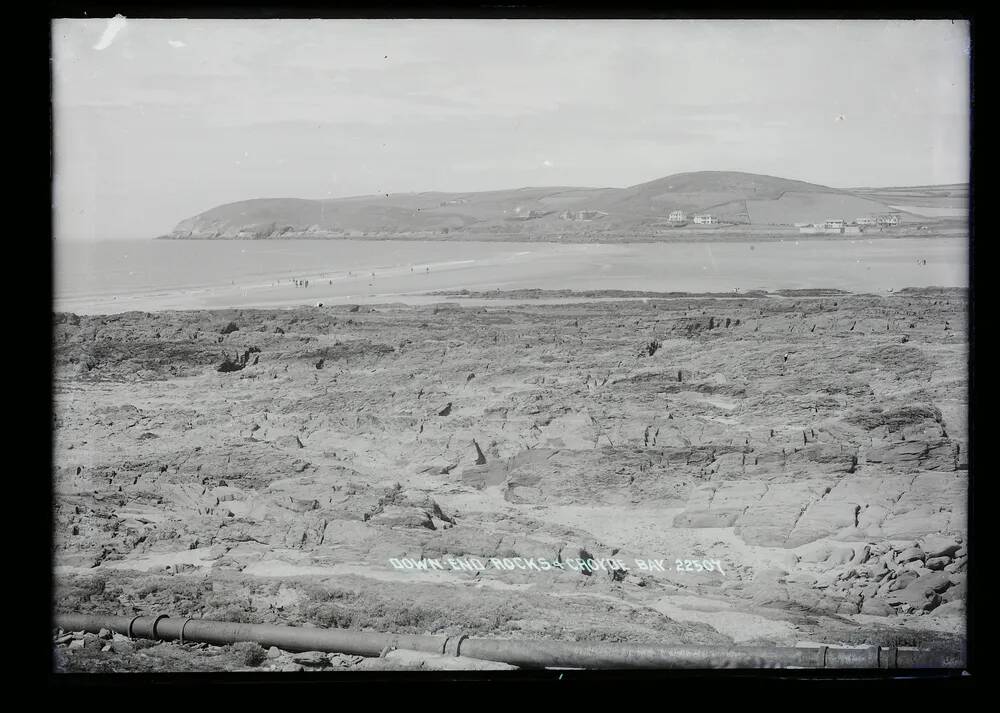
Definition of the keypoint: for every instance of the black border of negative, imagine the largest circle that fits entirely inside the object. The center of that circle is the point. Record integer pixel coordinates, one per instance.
(668, 687)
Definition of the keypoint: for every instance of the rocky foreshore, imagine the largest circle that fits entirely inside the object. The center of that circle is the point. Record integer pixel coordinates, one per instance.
(268, 465)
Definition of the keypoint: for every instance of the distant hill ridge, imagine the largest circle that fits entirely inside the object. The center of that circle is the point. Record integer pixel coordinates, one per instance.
(731, 196)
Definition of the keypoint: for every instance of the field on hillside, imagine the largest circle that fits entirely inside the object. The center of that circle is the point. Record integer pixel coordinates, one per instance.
(793, 208)
(268, 466)
(946, 196)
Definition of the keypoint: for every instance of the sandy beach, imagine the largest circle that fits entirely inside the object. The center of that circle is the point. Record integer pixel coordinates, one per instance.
(116, 277)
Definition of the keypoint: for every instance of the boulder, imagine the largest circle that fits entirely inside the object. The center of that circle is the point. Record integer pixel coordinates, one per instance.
(952, 608)
(936, 563)
(877, 606)
(403, 516)
(923, 593)
(956, 592)
(345, 660)
(939, 546)
(916, 599)
(956, 566)
(936, 581)
(316, 659)
(903, 580)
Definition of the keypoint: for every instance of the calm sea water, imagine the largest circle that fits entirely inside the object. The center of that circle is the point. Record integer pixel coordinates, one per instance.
(116, 276)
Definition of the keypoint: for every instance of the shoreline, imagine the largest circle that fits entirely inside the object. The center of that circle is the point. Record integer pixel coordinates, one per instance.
(777, 234)
(455, 299)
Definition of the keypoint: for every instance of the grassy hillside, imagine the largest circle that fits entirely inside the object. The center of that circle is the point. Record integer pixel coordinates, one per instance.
(734, 197)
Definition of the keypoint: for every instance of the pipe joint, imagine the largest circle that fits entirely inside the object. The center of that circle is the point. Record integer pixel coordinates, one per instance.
(180, 637)
(453, 645)
(152, 628)
(131, 624)
(892, 655)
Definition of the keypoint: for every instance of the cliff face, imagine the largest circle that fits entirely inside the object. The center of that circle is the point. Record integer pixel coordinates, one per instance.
(549, 210)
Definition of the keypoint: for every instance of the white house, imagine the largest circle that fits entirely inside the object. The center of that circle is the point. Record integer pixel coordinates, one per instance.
(706, 219)
(866, 220)
(677, 216)
(889, 219)
(834, 223)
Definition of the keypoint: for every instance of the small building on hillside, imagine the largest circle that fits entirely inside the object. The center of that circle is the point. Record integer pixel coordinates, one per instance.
(677, 216)
(706, 219)
(866, 220)
(889, 219)
(834, 224)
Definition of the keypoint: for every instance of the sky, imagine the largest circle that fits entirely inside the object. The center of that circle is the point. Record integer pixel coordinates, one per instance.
(158, 120)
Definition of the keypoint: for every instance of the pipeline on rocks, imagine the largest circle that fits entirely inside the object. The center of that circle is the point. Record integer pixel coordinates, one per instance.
(521, 653)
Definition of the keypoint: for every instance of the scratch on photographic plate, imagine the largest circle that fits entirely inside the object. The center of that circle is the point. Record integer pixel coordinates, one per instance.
(115, 25)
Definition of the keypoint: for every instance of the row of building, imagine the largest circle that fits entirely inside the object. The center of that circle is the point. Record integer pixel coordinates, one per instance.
(831, 224)
(679, 216)
(839, 225)
(886, 219)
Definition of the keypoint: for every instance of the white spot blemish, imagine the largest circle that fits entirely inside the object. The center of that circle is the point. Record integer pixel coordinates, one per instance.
(547, 163)
(177, 44)
(115, 25)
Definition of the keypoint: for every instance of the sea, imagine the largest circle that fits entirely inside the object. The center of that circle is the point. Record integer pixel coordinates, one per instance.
(105, 277)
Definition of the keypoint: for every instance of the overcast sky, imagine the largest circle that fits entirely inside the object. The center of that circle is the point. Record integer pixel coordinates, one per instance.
(158, 120)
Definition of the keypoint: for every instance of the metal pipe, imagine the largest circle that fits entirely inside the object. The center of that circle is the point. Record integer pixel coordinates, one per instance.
(289, 638)
(521, 653)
